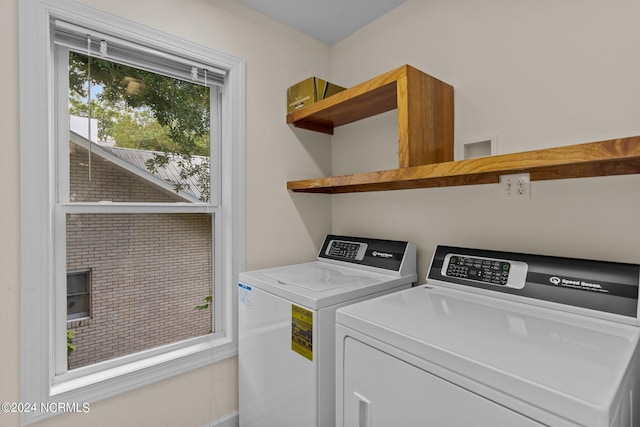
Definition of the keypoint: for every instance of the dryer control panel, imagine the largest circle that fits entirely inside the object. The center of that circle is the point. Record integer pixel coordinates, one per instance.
(604, 287)
(486, 270)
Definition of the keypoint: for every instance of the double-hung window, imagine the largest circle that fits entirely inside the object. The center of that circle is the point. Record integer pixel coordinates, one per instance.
(132, 203)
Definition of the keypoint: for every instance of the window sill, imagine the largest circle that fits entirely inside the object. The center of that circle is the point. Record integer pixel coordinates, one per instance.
(80, 321)
(146, 367)
(88, 385)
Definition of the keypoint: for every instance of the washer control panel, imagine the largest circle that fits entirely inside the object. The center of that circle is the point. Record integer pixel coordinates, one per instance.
(486, 270)
(388, 255)
(346, 249)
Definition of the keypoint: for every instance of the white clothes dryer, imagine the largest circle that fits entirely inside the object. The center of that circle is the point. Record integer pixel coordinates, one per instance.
(286, 326)
(494, 339)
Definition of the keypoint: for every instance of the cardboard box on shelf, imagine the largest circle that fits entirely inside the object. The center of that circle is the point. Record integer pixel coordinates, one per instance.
(309, 91)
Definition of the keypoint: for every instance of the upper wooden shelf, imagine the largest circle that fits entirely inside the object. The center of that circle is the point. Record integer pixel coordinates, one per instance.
(603, 158)
(425, 113)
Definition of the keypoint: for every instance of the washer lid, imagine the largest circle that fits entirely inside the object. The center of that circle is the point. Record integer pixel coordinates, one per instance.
(544, 360)
(320, 284)
(319, 277)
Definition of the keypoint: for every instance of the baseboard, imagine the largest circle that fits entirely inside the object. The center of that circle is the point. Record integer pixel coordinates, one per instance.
(229, 420)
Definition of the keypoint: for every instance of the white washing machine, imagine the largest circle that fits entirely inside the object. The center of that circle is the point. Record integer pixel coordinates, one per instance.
(286, 326)
(494, 339)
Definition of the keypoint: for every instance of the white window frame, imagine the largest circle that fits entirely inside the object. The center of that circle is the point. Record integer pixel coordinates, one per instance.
(43, 378)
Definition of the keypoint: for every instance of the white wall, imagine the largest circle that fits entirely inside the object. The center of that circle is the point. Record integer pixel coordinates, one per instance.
(276, 57)
(536, 73)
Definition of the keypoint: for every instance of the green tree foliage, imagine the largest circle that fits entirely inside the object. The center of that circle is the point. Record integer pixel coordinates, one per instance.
(148, 111)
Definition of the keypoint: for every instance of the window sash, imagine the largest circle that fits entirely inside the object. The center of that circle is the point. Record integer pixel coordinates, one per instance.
(93, 242)
(61, 59)
(66, 380)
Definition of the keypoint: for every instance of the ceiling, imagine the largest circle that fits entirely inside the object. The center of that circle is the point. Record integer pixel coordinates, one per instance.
(326, 20)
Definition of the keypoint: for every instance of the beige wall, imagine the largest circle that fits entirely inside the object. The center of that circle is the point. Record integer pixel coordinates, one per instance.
(276, 57)
(536, 73)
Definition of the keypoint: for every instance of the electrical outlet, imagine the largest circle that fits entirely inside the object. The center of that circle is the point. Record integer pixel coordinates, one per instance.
(515, 186)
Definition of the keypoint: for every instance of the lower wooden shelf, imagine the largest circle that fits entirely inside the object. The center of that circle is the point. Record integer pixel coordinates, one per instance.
(603, 158)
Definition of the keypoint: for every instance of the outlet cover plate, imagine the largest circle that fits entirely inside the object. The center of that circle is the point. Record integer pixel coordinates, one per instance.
(516, 186)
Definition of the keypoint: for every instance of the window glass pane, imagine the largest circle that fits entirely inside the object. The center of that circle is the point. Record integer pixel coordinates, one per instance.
(77, 306)
(149, 272)
(148, 134)
(77, 282)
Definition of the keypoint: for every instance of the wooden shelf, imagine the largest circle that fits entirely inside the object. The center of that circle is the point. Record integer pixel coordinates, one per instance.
(612, 157)
(425, 113)
(425, 141)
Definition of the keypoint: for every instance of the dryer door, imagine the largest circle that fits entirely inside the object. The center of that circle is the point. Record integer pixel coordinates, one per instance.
(382, 390)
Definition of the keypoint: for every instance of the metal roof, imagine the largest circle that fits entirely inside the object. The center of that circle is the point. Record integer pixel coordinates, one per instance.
(169, 173)
(133, 161)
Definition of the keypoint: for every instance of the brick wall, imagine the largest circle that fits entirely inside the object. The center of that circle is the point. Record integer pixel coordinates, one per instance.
(149, 271)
